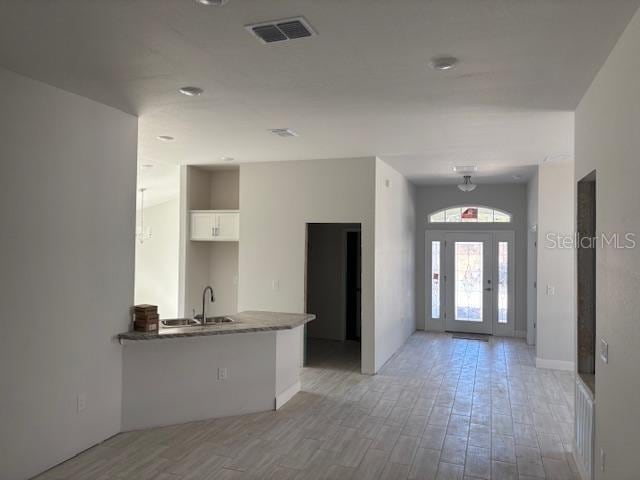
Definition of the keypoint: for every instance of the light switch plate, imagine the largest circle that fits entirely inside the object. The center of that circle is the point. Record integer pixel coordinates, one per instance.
(222, 374)
(81, 402)
(551, 290)
(604, 351)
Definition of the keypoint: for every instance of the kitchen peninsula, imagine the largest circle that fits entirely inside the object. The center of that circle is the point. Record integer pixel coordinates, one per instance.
(177, 375)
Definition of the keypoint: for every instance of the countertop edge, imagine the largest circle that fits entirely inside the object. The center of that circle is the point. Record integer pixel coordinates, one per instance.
(251, 327)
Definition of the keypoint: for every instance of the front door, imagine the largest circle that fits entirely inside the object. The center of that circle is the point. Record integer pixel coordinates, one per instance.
(469, 282)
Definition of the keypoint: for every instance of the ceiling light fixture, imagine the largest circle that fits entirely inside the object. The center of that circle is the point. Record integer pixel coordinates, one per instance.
(467, 186)
(165, 138)
(212, 3)
(443, 63)
(191, 91)
(464, 169)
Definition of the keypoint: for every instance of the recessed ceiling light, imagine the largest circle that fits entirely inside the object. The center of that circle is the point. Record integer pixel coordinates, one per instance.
(443, 63)
(191, 91)
(227, 159)
(214, 3)
(165, 138)
(516, 177)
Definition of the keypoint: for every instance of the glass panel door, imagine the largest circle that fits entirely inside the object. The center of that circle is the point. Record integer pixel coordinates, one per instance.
(469, 289)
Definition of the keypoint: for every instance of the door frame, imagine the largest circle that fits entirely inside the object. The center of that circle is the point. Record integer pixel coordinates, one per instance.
(498, 329)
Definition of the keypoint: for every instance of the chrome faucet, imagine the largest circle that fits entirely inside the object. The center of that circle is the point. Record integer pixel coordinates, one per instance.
(202, 318)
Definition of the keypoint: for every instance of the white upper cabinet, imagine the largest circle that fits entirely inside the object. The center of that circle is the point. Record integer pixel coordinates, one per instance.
(215, 225)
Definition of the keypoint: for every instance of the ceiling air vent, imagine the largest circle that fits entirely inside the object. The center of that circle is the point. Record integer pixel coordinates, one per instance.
(284, 132)
(281, 30)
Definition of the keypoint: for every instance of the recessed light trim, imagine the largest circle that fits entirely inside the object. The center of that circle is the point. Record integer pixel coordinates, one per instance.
(165, 138)
(227, 159)
(212, 3)
(443, 63)
(191, 91)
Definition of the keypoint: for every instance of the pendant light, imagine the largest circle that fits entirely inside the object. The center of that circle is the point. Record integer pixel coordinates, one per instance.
(467, 186)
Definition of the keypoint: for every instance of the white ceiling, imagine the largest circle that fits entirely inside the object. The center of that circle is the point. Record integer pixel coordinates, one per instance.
(360, 88)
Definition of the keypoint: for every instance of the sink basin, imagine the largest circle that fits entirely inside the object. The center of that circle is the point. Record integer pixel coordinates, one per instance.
(188, 322)
(217, 320)
(179, 323)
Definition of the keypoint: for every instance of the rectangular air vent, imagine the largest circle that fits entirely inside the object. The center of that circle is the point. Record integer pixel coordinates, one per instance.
(284, 132)
(281, 30)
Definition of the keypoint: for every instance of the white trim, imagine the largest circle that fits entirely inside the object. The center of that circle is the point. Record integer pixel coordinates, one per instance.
(555, 364)
(581, 470)
(287, 394)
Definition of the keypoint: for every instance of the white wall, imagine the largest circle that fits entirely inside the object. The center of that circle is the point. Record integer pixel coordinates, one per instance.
(277, 200)
(532, 258)
(67, 205)
(607, 140)
(395, 223)
(156, 274)
(508, 197)
(174, 381)
(556, 266)
(288, 361)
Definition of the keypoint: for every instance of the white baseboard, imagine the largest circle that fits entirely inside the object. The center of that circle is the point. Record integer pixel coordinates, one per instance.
(555, 364)
(520, 334)
(287, 394)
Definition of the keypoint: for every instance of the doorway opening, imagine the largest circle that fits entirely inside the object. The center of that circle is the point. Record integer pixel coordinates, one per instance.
(472, 276)
(586, 259)
(333, 294)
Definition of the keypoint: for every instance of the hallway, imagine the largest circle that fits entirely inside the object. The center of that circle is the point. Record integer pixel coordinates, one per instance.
(441, 408)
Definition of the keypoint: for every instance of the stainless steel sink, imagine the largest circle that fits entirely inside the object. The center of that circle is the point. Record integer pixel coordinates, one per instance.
(218, 320)
(179, 323)
(188, 322)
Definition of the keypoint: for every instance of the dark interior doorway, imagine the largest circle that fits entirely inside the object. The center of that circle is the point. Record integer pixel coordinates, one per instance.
(353, 287)
(586, 253)
(333, 294)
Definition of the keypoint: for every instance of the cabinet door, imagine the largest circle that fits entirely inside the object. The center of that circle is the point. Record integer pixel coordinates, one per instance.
(227, 226)
(202, 225)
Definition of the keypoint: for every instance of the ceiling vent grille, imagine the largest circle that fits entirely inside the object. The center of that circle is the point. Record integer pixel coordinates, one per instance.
(281, 30)
(284, 132)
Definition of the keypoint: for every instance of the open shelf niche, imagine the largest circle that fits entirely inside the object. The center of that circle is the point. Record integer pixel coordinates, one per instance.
(211, 263)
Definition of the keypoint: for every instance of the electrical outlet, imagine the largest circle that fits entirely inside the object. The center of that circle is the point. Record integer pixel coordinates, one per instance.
(222, 374)
(81, 402)
(604, 350)
(602, 460)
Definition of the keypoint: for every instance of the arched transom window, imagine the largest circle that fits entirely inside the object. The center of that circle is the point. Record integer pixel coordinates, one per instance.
(471, 214)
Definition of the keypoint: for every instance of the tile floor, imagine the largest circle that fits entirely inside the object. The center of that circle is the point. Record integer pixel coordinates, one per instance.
(440, 409)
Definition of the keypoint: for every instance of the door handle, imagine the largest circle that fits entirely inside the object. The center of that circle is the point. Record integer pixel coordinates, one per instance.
(488, 289)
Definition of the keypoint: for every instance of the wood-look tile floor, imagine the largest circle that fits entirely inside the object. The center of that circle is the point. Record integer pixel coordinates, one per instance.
(440, 409)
